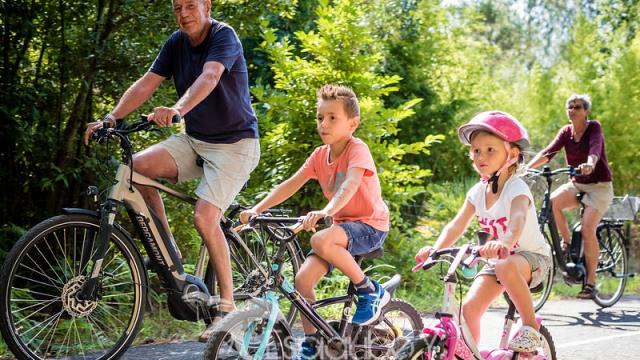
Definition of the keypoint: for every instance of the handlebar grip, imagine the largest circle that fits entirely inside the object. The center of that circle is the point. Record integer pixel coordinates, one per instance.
(175, 119)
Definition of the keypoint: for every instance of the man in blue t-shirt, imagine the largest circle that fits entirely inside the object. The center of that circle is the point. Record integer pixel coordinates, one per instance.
(206, 63)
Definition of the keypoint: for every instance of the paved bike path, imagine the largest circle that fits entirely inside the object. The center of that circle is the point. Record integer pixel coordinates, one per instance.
(580, 329)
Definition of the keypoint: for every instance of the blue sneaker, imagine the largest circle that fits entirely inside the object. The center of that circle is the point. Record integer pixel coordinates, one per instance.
(308, 350)
(370, 305)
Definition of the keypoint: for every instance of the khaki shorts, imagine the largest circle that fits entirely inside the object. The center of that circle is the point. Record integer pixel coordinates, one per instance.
(225, 170)
(540, 267)
(597, 195)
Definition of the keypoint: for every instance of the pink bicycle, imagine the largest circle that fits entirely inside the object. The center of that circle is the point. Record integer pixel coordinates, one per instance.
(450, 337)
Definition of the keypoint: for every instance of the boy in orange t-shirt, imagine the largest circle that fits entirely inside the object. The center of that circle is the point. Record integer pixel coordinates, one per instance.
(347, 175)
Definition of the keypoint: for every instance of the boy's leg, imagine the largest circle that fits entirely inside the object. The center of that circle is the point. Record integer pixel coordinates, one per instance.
(331, 245)
(483, 291)
(312, 270)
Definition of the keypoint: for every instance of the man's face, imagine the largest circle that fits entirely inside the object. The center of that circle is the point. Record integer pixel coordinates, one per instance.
(191, 15)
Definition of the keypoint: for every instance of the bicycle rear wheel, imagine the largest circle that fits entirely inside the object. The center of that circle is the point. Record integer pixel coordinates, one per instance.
(611, 274)
(399, 321)
(541, 295)
(40, 314)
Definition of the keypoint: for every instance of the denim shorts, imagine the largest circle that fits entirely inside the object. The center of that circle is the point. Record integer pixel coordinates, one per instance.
(362, 239)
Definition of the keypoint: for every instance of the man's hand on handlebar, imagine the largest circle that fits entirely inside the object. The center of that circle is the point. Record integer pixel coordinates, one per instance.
(164, 116)
(93, 126)
(246, 215)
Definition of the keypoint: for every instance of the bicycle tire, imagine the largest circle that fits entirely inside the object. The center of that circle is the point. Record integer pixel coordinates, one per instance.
(422, 347)
(613, 264)
(103, 329)
(280, 339)
(387, 330)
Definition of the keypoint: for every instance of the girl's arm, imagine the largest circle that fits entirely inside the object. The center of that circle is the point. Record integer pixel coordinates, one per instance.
(451, 232)
(517, 220)
(279, 194)
(339, 200)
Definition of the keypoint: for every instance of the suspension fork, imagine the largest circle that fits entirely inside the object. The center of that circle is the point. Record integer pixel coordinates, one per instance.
(107, 216)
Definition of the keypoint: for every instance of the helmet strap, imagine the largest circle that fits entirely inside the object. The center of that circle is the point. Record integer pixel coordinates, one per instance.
(493, 180)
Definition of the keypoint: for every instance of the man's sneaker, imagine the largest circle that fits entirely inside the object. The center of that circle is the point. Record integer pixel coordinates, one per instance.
(370, 305)
(309, 349)
(527, 340)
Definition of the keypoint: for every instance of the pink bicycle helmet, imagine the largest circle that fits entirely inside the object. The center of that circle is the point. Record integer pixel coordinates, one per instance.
(498, 123)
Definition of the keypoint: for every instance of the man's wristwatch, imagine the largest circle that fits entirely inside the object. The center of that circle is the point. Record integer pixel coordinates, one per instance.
(109, 118)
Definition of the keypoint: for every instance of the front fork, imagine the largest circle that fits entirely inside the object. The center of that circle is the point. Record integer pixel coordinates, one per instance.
(107, 216)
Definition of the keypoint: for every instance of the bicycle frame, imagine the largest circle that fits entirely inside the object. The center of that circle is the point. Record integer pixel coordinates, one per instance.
(156, 241)
(452, 328)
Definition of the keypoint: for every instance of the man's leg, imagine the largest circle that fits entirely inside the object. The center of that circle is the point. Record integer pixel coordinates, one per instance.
(207, 221)
(156, 162)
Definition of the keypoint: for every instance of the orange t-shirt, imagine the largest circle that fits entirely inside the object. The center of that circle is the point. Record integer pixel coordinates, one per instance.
(366, 205)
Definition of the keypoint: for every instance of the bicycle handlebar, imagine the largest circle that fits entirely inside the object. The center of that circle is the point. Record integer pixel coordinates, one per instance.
(296, 222)
(546, 172)
(474, 250)
(123, 129)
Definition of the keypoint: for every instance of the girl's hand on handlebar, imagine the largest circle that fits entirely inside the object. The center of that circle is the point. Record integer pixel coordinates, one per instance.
(312, 218)
(423, 254)
(163, 115)
(246, 215)
(494, 249)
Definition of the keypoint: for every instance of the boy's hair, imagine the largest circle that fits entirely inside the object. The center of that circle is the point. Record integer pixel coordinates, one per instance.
(343, 94)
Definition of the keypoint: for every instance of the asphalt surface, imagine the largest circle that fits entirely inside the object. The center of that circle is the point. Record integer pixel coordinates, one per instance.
(580, 330)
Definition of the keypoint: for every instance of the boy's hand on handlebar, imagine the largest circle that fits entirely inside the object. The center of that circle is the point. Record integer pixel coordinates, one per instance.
(163, 115)
(246, 215)
(423, 254)
(494, 249)
(312, 218)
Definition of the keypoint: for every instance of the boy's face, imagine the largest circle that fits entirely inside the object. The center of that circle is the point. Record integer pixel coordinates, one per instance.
(333, 123)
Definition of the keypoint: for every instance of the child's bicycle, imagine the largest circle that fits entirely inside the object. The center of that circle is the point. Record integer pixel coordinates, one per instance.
(450, 337)
(259, 331)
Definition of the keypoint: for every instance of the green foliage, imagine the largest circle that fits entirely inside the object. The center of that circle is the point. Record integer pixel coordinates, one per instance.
(340, 50)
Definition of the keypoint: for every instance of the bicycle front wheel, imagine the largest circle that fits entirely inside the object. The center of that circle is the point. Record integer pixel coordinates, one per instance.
(40, 314)
(423, 347)
(611, 274)
(239, 335)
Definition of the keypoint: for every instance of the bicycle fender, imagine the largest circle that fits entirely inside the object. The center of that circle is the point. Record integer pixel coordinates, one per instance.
(80, 211)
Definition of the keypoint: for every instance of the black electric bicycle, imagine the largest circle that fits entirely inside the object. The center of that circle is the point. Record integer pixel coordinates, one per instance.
(75, 285)
(611, 274)
(259, 331)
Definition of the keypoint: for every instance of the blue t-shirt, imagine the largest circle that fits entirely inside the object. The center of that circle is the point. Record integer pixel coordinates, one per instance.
(225, 115)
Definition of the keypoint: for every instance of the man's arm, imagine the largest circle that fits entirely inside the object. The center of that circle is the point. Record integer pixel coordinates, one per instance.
(133, 98)
(198, 91)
